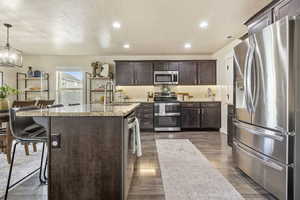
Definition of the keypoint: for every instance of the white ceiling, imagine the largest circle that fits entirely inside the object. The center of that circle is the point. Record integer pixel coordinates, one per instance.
(151, 27)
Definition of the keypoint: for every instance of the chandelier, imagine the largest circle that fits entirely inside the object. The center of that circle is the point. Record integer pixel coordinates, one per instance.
(9, 56)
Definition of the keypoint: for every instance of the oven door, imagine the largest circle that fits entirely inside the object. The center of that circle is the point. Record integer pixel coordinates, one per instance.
(167, 123)
(167, 109)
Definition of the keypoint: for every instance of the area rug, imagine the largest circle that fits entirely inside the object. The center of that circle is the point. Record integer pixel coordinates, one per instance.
(188, 175)
(23, 165)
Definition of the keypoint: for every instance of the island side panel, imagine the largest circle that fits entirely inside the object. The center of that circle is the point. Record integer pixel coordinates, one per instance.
(88, 165)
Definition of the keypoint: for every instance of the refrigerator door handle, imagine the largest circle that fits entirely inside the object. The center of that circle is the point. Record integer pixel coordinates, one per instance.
(256, 131)
(246, 81)
(265, 162)
(249, 73)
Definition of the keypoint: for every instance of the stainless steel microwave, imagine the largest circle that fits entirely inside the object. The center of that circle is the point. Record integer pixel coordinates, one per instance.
(165, 77)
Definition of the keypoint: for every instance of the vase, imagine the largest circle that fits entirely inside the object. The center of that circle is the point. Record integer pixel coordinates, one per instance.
(4, 104)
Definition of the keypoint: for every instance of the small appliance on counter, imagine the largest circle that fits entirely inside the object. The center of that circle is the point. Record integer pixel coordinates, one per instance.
(166, 112)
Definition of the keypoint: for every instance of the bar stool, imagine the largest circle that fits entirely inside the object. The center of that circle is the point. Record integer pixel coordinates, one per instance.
(24, 129)
(45, 103)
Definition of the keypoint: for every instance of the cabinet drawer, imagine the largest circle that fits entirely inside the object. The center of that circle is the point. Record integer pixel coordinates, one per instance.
(190, 105)
(148, 115)
(146, 123)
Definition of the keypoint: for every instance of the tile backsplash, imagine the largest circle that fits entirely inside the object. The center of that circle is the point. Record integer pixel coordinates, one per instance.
(198, 92)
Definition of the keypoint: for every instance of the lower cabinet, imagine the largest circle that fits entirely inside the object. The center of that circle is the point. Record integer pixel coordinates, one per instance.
(145, 115)
(204, 115)
(210, 115)
(190, 118)
(194, 115)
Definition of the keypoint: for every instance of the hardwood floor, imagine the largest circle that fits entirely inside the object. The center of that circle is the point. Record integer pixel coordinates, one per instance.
(147, 182)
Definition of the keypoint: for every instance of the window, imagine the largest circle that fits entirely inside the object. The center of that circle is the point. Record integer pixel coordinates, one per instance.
(70, 87)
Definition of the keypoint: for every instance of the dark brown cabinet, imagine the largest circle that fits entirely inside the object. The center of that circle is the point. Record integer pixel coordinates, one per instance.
(211, 115)
(188, 73)
(145, 115)
(282, 9)
(204, 115)
(143, 73)
(134, 73)
(207, 72)
(124, 73)
(274, 11)
(190, 117)
(261, 22)
(198, 72)
(165, 66)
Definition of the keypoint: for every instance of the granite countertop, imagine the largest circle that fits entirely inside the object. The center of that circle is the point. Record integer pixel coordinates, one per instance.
(87, 110)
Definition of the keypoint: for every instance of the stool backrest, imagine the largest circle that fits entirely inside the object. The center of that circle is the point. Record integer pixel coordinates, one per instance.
(19, 124)
(45, 103)
(74, 104)
(19, 104)
(55, 106)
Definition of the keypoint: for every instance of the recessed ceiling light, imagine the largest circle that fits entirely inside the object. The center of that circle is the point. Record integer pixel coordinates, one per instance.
(203, 24)
(187, 45)
(126, 46)
(116, 25)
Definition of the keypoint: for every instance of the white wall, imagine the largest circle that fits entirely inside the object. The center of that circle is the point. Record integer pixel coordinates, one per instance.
(225, 78)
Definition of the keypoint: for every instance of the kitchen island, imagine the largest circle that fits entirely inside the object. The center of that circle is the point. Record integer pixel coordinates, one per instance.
(90, 151)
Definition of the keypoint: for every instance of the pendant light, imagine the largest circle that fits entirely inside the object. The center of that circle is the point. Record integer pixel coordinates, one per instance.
(9, 56)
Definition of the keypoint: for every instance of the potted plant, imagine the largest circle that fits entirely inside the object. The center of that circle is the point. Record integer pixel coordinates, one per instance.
(5, 91)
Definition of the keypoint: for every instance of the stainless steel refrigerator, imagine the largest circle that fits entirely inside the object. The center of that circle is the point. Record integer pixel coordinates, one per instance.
(267, 101)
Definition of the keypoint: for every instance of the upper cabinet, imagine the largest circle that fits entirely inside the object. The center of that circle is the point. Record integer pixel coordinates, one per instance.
(143, 73)
(165, 66)
(207, 72)
(273, 12)
(283, 9)
(199, 72)
(188, 73)
(261, 22)
(124, 73)
(134, 73)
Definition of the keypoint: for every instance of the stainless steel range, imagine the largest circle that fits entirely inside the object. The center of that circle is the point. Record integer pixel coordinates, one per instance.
(267, 100)
(166, 112)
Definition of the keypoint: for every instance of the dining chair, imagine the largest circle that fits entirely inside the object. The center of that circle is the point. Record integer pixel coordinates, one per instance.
(45, 103)
(22, 132)
(20, 104)
(5, 136)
